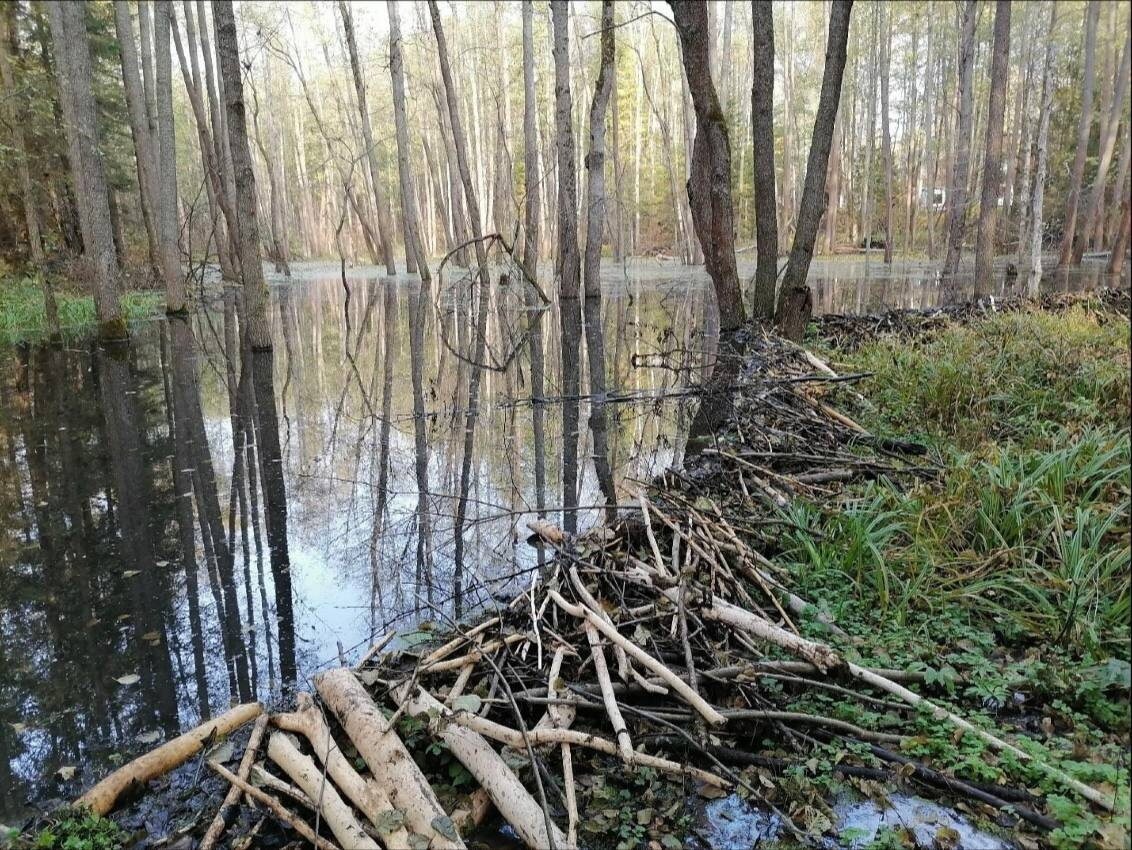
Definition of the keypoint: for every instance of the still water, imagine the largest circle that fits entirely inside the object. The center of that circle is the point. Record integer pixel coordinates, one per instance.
(185, 524)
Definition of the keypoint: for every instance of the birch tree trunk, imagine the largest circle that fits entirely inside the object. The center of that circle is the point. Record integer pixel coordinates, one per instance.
(384, 227)
(1037, 198)
(73, 69)
(886, 131)
(992, 157)
(1084, 128)
(762, 135)
(795, 303)
(258, 330)
(957, 194)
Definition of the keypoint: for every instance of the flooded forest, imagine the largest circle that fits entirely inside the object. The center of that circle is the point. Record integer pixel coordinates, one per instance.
(589, 424)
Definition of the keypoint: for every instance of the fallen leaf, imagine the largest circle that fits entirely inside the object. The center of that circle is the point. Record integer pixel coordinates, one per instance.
(128, 679)
(66, 773)
(467, 702)
(19, 727)
(443, 824)
(152, 637)
(150, 737)
(131, 573)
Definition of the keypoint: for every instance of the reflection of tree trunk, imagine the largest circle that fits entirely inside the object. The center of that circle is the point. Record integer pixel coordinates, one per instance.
(381, 491)
(183, 495)
(123, 437)
(275, 507)
(187, 393)
(420, 440)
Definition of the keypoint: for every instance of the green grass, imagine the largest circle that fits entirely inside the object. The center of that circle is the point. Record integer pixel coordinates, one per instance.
(23, 319)
(1006, 577)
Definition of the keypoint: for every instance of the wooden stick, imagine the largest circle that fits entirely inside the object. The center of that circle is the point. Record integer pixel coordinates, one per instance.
(447, 649)
(275, 807)
(101, 798)
(304, 773)
(368, 796)
(513, 801)
(710, 714)
(591, 603)
(601, 671)
(557, 717)
(385, 755)
(263, 779)
(381, 643)
(473, 656)
(216, 828)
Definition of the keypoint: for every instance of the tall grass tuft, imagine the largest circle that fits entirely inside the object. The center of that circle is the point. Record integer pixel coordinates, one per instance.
(23, 318)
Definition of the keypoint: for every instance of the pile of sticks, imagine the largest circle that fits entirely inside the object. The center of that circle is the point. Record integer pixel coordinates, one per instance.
(647, 643)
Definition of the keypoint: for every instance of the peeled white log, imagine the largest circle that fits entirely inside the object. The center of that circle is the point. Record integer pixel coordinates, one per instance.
(304, 773)
(513, 801)
(369, 797)
(385, 755)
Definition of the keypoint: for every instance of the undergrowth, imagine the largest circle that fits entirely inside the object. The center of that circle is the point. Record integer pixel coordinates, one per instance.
(22, 315)
(1006, 577)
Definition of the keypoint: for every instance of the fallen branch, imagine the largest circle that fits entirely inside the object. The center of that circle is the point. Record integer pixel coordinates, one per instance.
(220, 822)
(101, 798)
(275, 807)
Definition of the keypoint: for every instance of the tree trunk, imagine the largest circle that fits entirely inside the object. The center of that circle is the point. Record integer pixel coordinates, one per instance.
(1084, 128)
(166, 183)
(709, 186)
(762, 132)
(595, 228)
(75, 77)
(1034, 272)
(384, 228)
(886, 134)
(1107, 147)
(414, 247)
(992, 157)
(957, 194)
(484, 283)
(258, 329)
(568, 261)
(795, 304)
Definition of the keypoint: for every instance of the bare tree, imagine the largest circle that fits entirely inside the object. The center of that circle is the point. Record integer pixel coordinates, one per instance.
(795, 303)
(1084, 128)
(1037, 198)
(762, 131)
(414, 247)
(166, 183)
(73, 69)
(709, 184)
(957, 193)
(1107, 147)
(258, 330)
(384, 228)
(992, 157)
(886, 133)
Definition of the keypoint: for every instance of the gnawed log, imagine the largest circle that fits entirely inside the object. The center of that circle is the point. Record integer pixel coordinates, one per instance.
(514, 803)
(275, 807)
(385, 755)
(301, 768)
(101, 798)
(366, 794)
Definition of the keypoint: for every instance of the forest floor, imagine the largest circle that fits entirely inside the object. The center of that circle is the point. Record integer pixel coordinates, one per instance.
(978, 546)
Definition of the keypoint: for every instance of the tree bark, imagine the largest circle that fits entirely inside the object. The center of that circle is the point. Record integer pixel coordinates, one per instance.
(1037, 198)
(762, 130)
(75, 77)
(795, 304)
(414, 247)
(709, 185)
(1107, 147)
(886, 135)
(258, 330)
(166, 183)
(992, 157)
(1084, 129)
(957, 194)
(384, 228)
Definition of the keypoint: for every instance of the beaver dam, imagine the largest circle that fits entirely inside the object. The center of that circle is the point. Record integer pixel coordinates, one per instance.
(664, 663)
